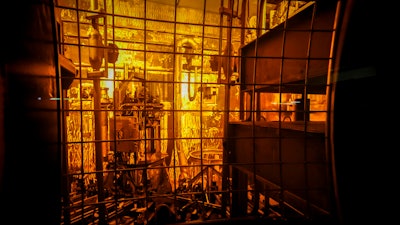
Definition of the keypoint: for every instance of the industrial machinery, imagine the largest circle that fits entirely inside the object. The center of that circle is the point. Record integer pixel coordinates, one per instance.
(130, 153)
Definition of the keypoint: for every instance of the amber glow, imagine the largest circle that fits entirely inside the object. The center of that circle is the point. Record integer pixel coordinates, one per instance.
(148, 108)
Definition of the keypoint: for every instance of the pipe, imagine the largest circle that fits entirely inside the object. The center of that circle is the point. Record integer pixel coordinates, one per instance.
(96, 51)
(96, 55)
(94, 5)
(182, 159)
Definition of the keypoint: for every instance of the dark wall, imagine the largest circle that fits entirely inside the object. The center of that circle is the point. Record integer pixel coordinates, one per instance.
(30, 162)
(355, 142)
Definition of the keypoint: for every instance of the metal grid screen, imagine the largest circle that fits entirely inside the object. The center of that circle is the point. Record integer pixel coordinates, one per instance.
(194, 110)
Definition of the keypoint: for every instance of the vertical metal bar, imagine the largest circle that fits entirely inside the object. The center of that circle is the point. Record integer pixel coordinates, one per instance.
(201, 101)
(279, 133)
(62, 128)
(306, 114)
(225, 171)
(98, 118)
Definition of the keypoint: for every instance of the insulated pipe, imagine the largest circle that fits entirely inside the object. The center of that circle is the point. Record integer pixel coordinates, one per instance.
(182, 159)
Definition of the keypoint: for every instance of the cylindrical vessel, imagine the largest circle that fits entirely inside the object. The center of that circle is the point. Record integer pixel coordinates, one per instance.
(96, 50)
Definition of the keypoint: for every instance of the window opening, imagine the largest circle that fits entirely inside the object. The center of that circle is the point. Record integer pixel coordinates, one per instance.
(194, 110)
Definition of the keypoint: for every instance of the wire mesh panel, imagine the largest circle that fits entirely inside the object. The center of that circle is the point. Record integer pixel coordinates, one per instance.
(279, 146)
(195, 110)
